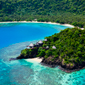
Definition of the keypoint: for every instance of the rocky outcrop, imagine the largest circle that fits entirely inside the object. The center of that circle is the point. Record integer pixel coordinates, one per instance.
(22, 57)
(51, 62)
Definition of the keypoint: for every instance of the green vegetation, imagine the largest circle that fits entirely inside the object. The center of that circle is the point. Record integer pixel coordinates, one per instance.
(70, 47)
(25, 52)
(28, 53)
(61, 11)
(70, 44)
(41, 52)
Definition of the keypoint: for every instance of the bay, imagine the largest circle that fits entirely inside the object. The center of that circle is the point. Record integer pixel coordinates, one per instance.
(16, 36)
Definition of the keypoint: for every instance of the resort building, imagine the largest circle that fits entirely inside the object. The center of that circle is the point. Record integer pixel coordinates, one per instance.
(82, 28)
(36, 45)
(45, 40)
(47, 47)
(31, 45)
(40, 43)
(53, 47)
(35, 19)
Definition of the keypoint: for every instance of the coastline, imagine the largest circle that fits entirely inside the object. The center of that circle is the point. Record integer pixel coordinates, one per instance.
(68, 25)
(38, 60)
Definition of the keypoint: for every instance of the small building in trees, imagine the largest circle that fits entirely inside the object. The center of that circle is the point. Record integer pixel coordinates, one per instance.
(47, 47)
(45, 40)
(53, 47)
(36, 45)
(40, 43)
(31, 45)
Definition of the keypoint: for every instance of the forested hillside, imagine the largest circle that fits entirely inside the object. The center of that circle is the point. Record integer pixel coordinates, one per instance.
(62, 11)
(66, 49)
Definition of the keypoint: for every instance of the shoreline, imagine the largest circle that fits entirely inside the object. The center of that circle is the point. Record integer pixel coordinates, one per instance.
(38, 60)
(68, 25)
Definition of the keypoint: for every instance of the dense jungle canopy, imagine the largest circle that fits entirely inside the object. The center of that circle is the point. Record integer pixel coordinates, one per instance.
(62, 11)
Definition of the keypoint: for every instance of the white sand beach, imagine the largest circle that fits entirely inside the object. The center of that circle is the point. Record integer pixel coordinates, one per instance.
(38, 60)
(68, 25)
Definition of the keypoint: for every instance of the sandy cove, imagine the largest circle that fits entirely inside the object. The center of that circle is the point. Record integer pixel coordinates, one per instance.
(38, 60)
(68, 25)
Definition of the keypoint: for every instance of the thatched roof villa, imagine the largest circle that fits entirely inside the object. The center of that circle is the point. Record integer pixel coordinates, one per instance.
(45, 40)
(40, 42)
(47, 47)
(53, 47)
(31, 45)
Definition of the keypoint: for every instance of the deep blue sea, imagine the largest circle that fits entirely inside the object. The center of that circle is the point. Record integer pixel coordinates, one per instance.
(16, 36)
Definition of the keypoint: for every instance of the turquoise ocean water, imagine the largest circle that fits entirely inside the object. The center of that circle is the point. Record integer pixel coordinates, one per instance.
(16, 36)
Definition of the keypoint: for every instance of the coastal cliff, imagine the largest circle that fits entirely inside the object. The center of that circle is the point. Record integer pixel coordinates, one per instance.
(65, 49)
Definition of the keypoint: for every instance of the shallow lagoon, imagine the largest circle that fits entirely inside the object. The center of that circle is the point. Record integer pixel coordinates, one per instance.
(16, 36)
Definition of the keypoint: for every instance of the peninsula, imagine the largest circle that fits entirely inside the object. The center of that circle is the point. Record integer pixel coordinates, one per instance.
(65, 49)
